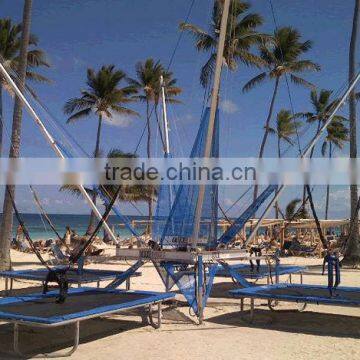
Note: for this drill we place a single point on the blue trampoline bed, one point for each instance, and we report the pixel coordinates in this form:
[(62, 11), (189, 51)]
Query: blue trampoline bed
[(298, 293), (245, 271), (81, 304), (74, 277)]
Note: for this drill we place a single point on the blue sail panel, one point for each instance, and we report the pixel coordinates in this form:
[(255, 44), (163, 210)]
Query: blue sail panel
[(180, 222), (240, 222)]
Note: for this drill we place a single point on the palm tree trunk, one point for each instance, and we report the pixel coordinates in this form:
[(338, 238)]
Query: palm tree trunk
[(1, 120), (278, 147), (279, 156), (148, 143), (98, 136), (352, 252), (267, 123), (304, 199), (148, 150), (328, 188), (7, 219), (92, 221)]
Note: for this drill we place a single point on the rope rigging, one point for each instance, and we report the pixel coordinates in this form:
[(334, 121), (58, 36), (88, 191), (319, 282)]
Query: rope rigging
[(172, 57)]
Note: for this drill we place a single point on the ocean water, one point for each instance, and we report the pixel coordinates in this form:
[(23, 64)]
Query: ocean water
[(39, 229)]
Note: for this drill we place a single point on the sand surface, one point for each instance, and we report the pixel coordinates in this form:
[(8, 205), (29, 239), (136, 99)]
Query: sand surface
[(321, 332)]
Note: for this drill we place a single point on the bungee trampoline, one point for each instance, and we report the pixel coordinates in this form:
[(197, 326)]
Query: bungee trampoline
[(74, 277), (263, 271), (41, 311), (298, 293)]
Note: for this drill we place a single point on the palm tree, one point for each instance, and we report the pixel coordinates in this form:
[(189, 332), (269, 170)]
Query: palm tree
[(128, 193), (286, 127), (103, 97), (282, 56), (241, 35), (147, 83), (352, 253), (322, 107), (292, 214), (7, 219), (337, 134), (10, 42)]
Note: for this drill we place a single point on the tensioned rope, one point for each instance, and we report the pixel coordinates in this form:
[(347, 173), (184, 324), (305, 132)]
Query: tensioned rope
[(172, 57), (286, 80), (58, 126)]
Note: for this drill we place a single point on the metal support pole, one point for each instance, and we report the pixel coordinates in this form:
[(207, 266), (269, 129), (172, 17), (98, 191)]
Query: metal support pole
[(251, 309), (304, 155), (200, 288), (53, 145), (213, 107), (165, 119), (277, 263), (159, 313)]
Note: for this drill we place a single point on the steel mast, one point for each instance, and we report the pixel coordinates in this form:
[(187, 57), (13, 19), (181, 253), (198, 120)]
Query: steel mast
[(53, 145), (213, 107)]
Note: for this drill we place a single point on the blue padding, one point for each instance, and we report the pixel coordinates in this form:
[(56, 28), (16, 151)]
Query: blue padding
[(240, 222), (73, 276), (265, 292), (150, 298), (247, 273)]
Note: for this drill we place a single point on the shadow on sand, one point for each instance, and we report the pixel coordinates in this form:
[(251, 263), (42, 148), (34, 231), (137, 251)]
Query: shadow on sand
[(307, 322)]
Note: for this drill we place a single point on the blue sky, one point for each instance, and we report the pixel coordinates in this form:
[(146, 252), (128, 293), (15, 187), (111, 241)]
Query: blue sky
[(89, 33)]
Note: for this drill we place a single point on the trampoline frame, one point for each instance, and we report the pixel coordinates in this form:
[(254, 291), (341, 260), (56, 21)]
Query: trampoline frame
[(33, 275), (283, 270), (147, 319), (253, 293)]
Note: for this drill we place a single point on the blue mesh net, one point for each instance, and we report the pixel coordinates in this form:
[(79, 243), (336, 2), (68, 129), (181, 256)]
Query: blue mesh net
[(174, 228), (186, 280), (166, 196)]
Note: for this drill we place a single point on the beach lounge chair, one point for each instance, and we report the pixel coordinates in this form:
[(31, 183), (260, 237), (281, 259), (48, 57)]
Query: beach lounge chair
[(74, 277), (59, 255), (298, 293), (41, 311)]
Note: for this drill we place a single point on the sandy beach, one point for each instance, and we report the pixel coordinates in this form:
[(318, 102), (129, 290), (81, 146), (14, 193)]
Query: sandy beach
[(330, 332)]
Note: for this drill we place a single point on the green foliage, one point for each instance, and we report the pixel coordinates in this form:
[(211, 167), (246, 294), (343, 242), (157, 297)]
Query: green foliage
[(103, 95), (286, 125), (128, 193), (147, 82), (283, 55), (10, 42), (292, 213), (241, 35)]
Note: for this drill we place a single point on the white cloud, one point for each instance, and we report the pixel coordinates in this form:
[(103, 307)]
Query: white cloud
[(228, 107), (119, 120)]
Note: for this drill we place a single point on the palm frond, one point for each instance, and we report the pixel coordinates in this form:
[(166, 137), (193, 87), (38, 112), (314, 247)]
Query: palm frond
[(207, 70), (254, 82), (75, 104), (78, 115), (300, 81), (204, 41)]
